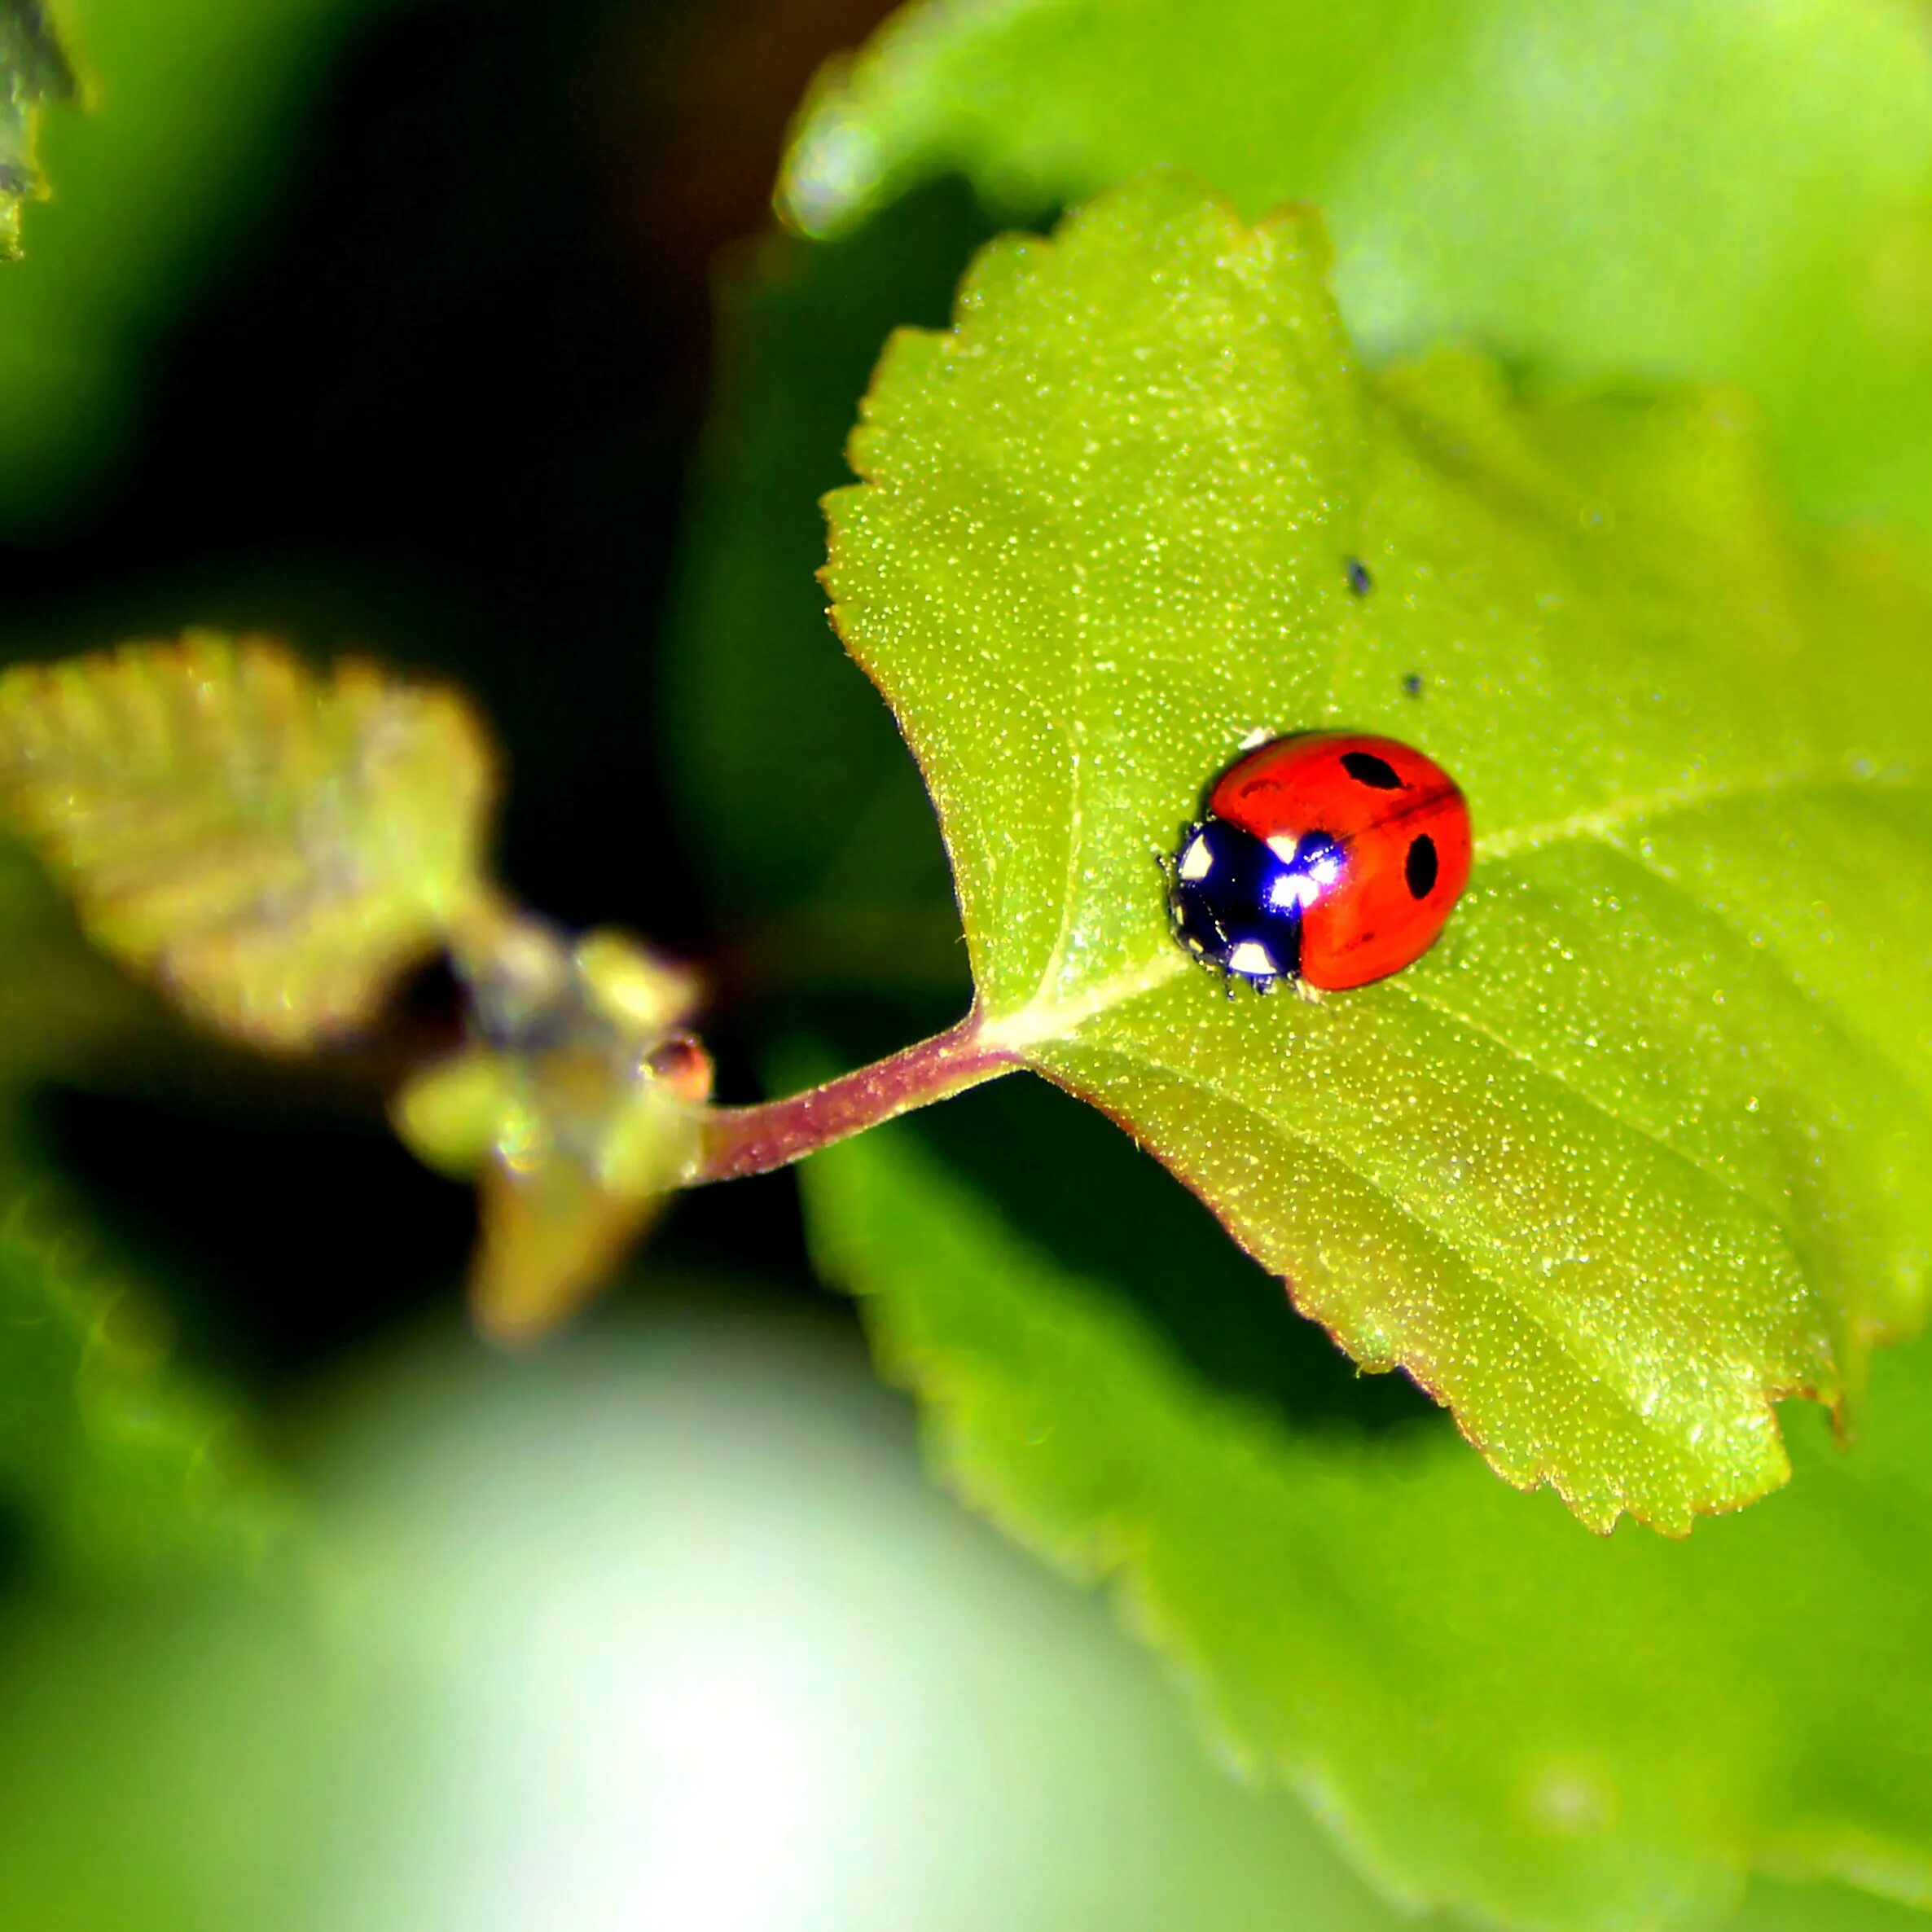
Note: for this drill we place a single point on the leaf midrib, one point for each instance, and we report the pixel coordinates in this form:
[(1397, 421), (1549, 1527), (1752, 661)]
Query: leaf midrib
[(1668, 802), (1045, 1015), (1045, 1019)]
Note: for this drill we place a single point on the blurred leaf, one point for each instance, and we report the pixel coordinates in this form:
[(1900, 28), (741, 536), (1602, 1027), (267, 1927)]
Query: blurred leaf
[(1642, 1145), (196, 108), (1692, 190), (612, 1663), (32, 70), (576, 1106), (611, 1667), (554, 1226), (1495, 1713), (276, 845), (64, 1009), (111, 1458), (114, 1462)]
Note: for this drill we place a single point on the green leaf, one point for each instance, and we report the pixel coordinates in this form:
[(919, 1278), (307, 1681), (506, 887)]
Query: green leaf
[(197, 107), (273, 846), (116, 1463), (1640, 1146), (1496, 1713), (32, 71), (112, 1460), (1697, 189)]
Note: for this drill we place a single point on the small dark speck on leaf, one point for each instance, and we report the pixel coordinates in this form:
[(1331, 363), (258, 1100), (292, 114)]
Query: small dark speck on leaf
[(1359, 579), (1412, 684)]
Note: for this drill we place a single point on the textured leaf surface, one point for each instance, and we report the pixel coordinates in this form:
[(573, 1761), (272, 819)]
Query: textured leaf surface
[(1641, 1145), (274, 845), (1496, 1713), (1695, 190), (32, 71)]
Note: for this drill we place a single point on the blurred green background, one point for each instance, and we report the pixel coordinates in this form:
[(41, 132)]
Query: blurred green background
[(431, 329)]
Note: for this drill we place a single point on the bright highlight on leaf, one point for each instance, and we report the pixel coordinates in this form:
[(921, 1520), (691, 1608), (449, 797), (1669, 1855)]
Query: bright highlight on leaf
[(274, 843), (32, 70), (1642, 1145), (1698, 191)]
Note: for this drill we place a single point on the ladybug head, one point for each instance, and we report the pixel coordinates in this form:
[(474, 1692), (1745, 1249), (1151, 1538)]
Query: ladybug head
[(1236, 901)]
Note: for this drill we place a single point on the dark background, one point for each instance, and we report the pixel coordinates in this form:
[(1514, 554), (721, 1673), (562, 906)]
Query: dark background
[(442, 407)]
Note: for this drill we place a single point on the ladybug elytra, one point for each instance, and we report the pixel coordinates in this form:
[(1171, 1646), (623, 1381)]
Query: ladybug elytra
[(1329, 858)]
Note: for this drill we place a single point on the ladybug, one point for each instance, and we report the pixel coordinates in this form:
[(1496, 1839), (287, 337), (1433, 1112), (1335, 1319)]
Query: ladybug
[(1328, 859)]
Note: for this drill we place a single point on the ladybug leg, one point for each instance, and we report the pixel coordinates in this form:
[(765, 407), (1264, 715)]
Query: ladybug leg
[(1313, 994)]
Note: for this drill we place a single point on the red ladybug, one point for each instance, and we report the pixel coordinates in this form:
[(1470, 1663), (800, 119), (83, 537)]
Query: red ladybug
[(1330, 857)]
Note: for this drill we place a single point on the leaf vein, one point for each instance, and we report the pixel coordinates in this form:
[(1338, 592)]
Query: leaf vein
[(1725, 1184), (1842, 1022), (1605, 821), (1598, 1372)]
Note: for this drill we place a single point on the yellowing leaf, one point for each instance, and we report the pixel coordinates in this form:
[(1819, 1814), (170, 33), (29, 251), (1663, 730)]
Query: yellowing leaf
[(554, 1227), (1643, 1144), (273, 843)]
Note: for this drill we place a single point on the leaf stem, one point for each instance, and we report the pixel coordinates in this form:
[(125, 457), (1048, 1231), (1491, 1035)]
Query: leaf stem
[(745, 1140)]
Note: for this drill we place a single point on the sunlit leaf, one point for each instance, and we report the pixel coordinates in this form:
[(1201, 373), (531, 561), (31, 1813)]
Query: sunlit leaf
[(274, 845), (1692, 190), (1642, 1145), (1496, 1713), (32, 71)]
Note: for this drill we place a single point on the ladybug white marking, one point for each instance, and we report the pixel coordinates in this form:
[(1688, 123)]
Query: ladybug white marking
[(1291, 889), (1252, 957), (1198, 861)]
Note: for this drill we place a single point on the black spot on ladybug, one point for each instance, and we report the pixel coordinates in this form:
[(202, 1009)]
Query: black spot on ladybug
[(1412, 684), (1359, 579), (1419, 868), (1365, 768)]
